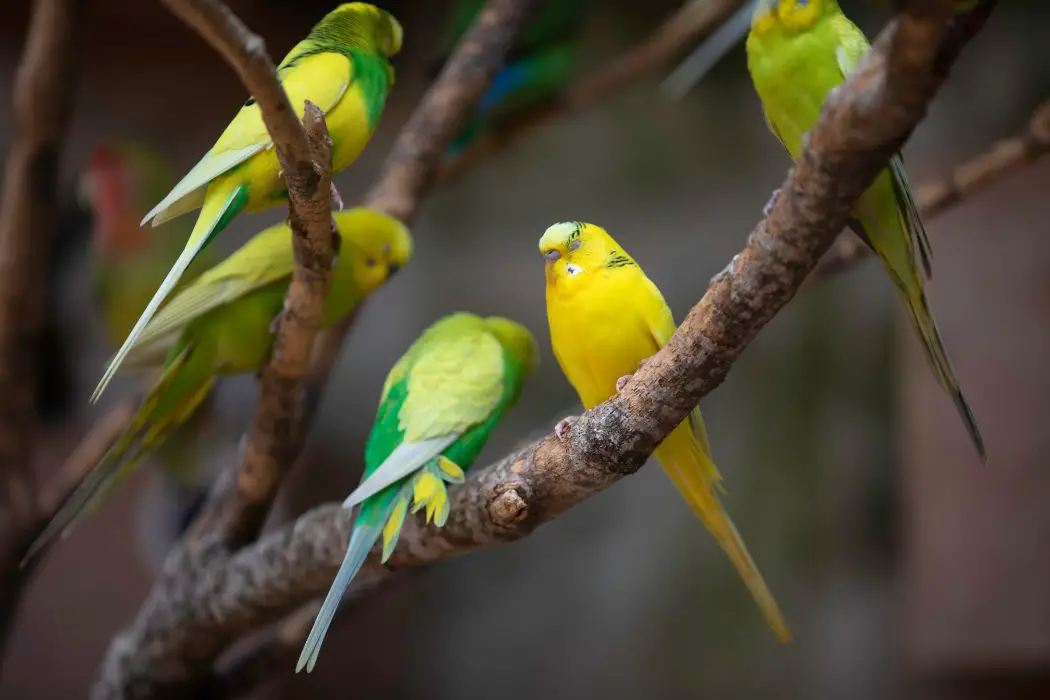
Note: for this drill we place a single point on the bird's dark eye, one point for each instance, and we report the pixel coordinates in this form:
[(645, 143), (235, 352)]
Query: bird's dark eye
[(574, 244), (371, 262), (250, 102)]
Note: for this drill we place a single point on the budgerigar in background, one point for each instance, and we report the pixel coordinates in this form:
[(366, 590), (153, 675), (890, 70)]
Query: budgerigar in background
[(797, 51), (119, 183), (341, 66), (605, 318), (439, 404), (537, 69), (223, 324)]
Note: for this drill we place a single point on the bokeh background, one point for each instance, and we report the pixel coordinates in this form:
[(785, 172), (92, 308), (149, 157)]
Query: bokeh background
[(904, 567)]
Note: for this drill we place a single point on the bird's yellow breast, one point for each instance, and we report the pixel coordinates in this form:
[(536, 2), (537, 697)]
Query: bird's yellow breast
[(348, 126), (600, 330)]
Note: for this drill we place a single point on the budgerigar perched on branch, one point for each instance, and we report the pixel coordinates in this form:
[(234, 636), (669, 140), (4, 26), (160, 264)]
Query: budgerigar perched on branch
[(439, 404), (341, 66), (797, 52), (223, 324), (606, 317)]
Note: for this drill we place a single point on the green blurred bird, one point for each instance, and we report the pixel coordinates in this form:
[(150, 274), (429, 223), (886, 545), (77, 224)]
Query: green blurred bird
[(223, 324), (797, 52), (537, 69), (439, 404), (127, 261), (343, 67)]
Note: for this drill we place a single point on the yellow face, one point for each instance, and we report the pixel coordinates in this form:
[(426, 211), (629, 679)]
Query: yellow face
[(380, 245), (574, 251), (790, 15)]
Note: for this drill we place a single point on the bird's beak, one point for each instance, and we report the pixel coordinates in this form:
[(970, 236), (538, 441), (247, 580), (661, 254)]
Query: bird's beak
[(392, 268), (549, 258)]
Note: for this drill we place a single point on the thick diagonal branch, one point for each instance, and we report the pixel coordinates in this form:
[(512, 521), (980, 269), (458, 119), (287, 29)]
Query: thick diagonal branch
[(862, 124), (169, 648), (43, 98)]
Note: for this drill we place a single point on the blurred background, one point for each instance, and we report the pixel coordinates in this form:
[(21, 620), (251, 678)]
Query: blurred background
[(904, 567)]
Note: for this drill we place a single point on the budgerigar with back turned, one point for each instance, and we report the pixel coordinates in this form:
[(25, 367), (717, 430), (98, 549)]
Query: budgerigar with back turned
[(343, 67), (797, 52), (439, 404), (223, 324), (605, 318)]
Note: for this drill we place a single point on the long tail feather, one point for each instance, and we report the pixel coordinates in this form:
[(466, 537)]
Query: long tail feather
[(695, 476), (89, 491), (922, 319), (211, 221), (361, 542)]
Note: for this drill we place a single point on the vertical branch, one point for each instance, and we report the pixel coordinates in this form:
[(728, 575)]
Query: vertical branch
[(43, 99), (236, 513)]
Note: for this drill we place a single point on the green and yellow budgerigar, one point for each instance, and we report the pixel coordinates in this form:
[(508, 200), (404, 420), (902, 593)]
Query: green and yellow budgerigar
[(223, 324), (797, 51), (342, 66), (439, 404)]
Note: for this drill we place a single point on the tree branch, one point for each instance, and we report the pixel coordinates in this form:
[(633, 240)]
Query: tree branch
[(168, 649), (973, 176), (237, 513), (688, 25), (43, 99), (862, 124)]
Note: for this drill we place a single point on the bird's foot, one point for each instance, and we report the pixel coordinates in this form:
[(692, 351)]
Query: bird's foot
[(563, 425), (276, 322), (337, 200), (772, 200), (622, 382)]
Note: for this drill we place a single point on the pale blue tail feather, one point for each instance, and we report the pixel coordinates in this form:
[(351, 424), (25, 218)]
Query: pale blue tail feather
[(361, 542)]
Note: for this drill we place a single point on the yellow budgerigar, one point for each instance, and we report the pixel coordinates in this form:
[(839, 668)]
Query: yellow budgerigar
[(343, 67), (797, 52), (605, 318)]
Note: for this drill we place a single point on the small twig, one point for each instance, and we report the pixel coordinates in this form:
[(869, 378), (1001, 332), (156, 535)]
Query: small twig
[(168, 649), (1002, 159), (43, 99), (681, 30), (862, 124)]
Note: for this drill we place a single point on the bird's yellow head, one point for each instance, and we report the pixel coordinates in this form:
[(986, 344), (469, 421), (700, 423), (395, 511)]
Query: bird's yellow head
[(789, 15), (574, 251), (516, 340), (360, 24), (377, 245)]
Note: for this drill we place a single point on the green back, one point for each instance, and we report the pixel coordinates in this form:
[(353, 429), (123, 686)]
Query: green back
[(389, 429)]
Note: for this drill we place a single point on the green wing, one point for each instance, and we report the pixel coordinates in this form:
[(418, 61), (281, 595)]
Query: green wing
[(852, 47), (322, 78), (263, 260), (453, 381)]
